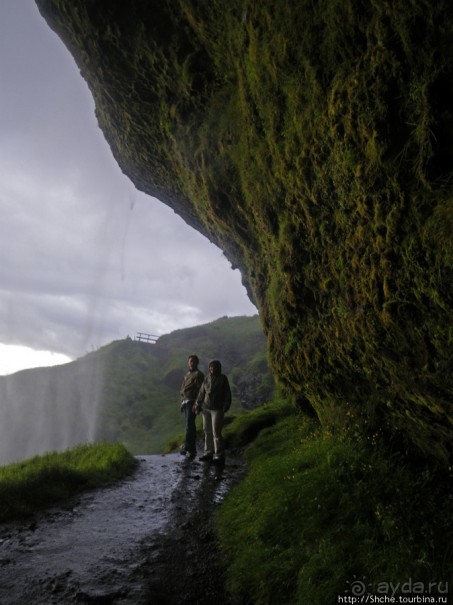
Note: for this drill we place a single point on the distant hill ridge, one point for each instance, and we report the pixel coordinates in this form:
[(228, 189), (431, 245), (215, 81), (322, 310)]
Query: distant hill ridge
[(128, 390)]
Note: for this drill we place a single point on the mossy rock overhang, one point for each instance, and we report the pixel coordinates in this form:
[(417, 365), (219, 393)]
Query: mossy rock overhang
[(312, 142)]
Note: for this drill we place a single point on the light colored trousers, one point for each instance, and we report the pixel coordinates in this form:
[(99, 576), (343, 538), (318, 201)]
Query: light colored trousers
[(212, 427)]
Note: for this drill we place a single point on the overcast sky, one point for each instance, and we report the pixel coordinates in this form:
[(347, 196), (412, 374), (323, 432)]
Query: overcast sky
[(85, 258)]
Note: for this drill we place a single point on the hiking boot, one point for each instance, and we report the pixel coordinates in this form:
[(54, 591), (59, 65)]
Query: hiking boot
[(190, 455), (206, 458), (219, 461)]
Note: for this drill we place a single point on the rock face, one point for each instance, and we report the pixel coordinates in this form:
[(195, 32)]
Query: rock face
[(312, 141)]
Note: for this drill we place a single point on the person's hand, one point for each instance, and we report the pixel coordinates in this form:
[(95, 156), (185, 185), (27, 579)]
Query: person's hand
[(182, 408), (195, 409)]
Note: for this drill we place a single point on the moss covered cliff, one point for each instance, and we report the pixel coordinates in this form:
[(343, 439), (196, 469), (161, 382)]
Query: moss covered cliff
[(312, 141)]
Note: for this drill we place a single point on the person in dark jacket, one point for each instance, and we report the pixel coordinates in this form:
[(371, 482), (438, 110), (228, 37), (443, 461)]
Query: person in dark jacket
[(214, 399), (190, 386)]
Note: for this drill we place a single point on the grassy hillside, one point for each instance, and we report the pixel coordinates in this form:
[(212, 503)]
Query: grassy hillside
[(128, 391), (320, 516), (140, 401)]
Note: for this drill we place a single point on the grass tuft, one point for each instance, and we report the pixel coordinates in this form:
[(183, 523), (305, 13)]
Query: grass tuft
[(56, 476)]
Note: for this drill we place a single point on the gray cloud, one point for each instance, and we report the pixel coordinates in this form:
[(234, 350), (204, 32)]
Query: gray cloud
[(85, 258)]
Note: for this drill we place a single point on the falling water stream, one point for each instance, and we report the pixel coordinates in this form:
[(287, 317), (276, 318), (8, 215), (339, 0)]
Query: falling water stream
[(48, 409)]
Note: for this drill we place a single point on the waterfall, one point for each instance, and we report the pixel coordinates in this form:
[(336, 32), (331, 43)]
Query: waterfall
[(49, 409)]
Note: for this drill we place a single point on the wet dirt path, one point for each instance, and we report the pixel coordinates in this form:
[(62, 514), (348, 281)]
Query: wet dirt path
[(147, 540)]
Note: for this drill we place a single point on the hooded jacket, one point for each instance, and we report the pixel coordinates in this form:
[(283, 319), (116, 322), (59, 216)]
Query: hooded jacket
[(215, 392)]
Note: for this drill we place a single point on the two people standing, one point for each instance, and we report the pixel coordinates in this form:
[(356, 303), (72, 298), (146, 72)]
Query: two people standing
[(213, 399)]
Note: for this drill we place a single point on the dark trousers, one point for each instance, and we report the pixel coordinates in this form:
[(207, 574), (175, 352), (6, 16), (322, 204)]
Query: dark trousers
[(191, 431)]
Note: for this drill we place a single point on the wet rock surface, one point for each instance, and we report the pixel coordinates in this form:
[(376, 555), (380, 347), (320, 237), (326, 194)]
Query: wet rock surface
[(147, 540)]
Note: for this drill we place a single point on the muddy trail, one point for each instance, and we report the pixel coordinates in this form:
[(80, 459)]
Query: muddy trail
[(146, 540)]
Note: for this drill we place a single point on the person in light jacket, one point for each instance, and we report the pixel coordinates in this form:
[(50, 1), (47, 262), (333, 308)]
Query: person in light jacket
[(214, 399), (190, 387)]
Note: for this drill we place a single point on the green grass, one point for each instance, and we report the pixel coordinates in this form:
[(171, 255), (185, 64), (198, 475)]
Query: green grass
[(241, 428), (244, 427), (54, 477), (315, 513)]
